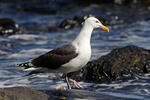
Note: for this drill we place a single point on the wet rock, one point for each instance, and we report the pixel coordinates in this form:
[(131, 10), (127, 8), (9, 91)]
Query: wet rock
[(71, 22), (120, 62), (22, 93), (8, 27), (78, 94), (25, 93)]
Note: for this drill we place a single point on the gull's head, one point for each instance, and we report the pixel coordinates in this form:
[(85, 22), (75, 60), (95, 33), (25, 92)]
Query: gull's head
[(95, 23)]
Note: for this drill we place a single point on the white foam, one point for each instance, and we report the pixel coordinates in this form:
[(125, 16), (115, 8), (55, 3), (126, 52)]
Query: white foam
[(3, 52), (27, 37), (135, 38), (31, 53), (31, 69), (98, 53)]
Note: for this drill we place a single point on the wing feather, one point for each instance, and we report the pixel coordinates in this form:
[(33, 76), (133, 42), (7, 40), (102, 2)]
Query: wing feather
[(55, 58)]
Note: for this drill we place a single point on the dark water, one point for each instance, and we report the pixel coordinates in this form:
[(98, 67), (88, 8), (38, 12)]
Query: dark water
[(128, 26)]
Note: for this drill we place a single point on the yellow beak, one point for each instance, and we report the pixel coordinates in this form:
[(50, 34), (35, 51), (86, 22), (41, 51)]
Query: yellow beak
[(104, 28)]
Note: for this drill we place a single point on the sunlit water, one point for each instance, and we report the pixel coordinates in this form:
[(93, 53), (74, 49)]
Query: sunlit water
[(23, 47)]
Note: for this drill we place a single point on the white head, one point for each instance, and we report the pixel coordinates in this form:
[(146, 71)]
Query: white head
[(95, 23)]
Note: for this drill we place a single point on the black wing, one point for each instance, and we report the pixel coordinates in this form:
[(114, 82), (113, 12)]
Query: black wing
[(55, 58)]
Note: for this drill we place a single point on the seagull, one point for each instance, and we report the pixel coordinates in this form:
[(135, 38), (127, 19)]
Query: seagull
[(68, 58)]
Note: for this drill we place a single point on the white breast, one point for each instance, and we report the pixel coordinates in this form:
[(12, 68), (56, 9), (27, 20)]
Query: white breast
[(80, 61), (83, 48)]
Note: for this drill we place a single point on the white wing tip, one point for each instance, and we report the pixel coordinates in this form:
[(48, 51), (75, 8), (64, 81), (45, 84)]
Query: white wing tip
[(30, 69)]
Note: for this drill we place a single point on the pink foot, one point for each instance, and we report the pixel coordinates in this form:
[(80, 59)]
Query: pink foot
[(76, 83)]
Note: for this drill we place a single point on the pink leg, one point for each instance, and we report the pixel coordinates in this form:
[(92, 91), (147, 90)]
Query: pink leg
[(76, 83), (67, 81)]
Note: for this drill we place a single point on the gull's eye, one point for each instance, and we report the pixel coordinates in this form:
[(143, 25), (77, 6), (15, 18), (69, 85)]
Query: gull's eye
[(96, 21)]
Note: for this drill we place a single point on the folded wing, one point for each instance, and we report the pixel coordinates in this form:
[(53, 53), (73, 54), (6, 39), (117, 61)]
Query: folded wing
[(55, 58)]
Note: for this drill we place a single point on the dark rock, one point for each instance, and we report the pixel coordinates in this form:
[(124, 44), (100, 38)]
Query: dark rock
[(71, 22), (25, 93), (129, 60), (8, 27), (22, 93), (77, 75), (78, 94)]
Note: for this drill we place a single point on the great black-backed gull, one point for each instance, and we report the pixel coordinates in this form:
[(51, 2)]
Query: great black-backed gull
[(70, 57)]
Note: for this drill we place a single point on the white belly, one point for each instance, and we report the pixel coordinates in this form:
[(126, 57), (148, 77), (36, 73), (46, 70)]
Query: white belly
[(79, 62)]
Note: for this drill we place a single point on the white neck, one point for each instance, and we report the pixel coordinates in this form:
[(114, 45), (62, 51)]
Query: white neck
[(84, 35)]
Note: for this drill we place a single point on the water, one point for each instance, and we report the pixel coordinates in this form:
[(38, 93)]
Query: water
[(129, 29)]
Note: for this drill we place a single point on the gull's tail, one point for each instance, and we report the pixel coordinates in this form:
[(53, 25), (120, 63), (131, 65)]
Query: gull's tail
[(28, 66), (25, 65)]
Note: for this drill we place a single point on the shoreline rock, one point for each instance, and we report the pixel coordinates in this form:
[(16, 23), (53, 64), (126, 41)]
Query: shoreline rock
[(8, 27), (25, 93), (22, 93), (129, 60)]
